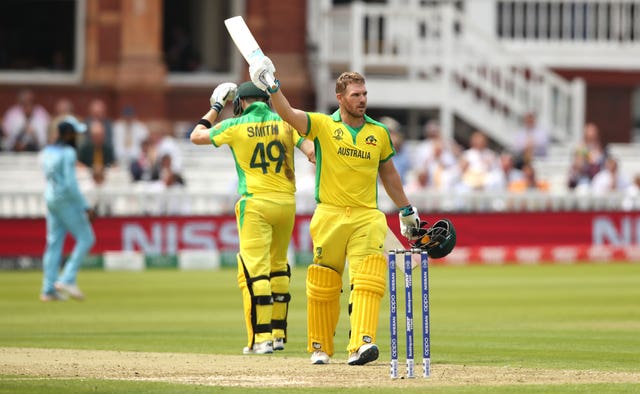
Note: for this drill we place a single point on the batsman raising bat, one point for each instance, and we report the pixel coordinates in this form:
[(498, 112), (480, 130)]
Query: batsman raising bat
[(262, 145), (352, 150)]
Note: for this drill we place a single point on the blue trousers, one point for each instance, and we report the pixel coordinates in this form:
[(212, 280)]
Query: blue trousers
[(65, 217)]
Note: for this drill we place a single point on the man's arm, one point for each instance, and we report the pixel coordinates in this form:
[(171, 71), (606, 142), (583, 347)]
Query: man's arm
[(393, 184), (295, 117), (221, 94), (408, 215), (200, 133), (308, 149)]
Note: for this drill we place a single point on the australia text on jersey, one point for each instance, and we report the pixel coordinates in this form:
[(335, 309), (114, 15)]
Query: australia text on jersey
[(354, 153)]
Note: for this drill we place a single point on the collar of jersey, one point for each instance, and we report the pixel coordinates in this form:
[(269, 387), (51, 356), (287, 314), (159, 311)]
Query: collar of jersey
[(256, 106), (336, 117)]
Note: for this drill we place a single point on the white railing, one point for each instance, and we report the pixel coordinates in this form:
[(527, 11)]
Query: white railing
[(464, 70), (577, 22), (128, 202)]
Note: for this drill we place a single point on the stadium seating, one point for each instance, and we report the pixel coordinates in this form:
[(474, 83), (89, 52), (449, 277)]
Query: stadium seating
[(211, 182)]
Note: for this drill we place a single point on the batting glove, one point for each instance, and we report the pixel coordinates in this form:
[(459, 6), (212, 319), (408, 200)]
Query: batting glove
[(409, 222), (221, 94), (262, 73)]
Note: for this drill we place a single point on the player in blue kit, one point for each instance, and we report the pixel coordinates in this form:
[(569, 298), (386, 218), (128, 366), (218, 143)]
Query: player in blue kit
[(67, 212)]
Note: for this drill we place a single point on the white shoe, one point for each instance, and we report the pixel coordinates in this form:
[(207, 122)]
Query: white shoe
[(367, 353), (265, 347), (278, 344), (319, 357), (48, 297), (72, 291)]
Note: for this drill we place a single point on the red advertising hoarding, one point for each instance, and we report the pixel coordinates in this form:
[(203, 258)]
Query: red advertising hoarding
[(480, 236)]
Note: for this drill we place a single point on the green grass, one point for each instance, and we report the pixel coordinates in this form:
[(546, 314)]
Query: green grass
[(584, 316)]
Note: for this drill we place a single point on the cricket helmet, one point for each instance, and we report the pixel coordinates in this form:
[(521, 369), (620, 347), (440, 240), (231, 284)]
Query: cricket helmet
[(247, 89), (438, 240)]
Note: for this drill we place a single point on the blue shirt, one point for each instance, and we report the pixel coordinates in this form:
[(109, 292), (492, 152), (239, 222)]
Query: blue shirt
[(59, 165)]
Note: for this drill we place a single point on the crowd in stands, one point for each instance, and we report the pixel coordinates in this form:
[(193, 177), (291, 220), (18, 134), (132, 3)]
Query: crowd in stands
[(441, 165), (149, 153), (146, 150)]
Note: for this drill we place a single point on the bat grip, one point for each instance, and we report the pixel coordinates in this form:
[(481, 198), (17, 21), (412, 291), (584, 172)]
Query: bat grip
[(270, 81)]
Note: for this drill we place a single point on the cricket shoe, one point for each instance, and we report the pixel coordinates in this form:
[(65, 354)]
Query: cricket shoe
[(319, 357), (278, 344), (72, 291), (367, 353), (50, 297), (265, 347)]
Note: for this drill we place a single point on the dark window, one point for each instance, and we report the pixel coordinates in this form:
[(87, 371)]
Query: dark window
[(195, 38), (37, 35)]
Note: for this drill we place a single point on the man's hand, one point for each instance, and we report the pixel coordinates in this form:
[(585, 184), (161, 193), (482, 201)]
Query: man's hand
[(223, 93), (259, 70), (409, 222)]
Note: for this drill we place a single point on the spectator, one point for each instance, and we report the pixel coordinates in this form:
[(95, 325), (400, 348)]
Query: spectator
[(588, 158), (505, 174), (128, 134), (425, 150), (401, 159), (94, 152), (480, 162), (163, 170), (141, 168), (443, 169), (25, 124), (610, 179), (164, 143), (167, 187), (93, 188), (419, 183), (528, 181), (63, 108), (532, 140), (632, 195), (98, 112)]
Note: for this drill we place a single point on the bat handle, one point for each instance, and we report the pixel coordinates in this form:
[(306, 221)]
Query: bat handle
[(270, 81)]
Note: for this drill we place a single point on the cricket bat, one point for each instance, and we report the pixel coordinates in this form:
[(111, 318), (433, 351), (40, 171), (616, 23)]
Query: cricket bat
[(245, 42), (391, 242)]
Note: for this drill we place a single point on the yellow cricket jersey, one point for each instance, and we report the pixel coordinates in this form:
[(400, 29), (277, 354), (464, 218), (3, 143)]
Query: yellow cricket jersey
[(347, 160), (262, 145)]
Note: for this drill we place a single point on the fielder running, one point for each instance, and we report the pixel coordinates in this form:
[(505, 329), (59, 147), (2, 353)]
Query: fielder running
[(67, 212), (262, 145), (351, 151)]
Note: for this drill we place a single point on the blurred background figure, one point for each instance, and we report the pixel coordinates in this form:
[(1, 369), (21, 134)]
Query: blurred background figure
[(63, 108), (588, 159), (170, 187), (532, 140), (128, 134), (528, 182), (94, 152), (480, 162), (141, 167), (164, 143), (505, 174), (401, 159), (425, 149), (25, 124), (610, 179), (97, 111)]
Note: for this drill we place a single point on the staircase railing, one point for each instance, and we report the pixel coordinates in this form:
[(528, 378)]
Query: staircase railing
[(479, 80)]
